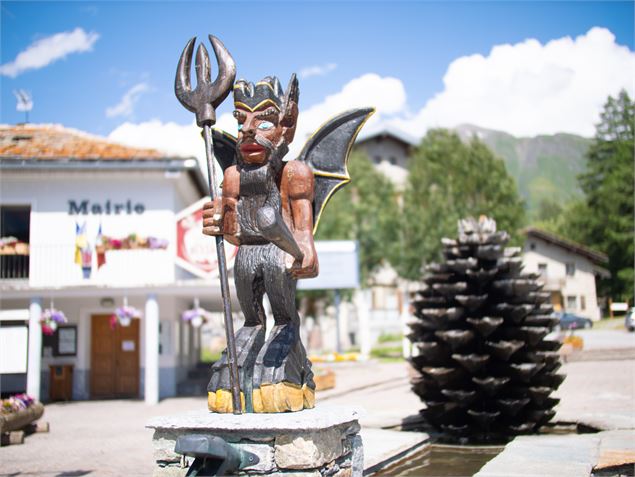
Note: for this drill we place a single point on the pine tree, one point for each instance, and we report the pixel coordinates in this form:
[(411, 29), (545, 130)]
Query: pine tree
[(608, 223), (604, 218), (486, 371)]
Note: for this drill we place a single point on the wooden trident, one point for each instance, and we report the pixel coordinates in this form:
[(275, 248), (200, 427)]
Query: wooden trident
[(203, 101)]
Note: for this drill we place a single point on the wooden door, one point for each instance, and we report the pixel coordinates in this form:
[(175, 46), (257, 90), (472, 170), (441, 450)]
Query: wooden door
[(114, 359), (127, 365)]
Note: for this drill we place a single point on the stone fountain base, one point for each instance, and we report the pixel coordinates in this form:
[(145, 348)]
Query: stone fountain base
[(323, 441)]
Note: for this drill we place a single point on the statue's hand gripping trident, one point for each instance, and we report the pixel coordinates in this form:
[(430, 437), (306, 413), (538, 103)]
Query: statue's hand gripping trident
[(203, 101)]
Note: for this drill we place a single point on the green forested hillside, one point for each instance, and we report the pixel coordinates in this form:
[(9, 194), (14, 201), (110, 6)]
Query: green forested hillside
[(545, 167)]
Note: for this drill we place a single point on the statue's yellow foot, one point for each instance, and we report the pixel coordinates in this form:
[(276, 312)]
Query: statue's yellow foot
[(283, 397), (221, 401)]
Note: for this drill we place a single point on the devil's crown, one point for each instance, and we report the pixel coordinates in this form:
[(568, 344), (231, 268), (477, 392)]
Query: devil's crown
[(267, 91)]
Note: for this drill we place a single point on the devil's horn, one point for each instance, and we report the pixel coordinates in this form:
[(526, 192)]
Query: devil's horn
[(291, 98), (292, 94)]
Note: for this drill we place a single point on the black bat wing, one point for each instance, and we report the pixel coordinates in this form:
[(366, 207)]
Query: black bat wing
[(224, 148), (327, 151)]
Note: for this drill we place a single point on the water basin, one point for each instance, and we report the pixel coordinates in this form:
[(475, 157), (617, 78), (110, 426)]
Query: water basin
[(442, 461)]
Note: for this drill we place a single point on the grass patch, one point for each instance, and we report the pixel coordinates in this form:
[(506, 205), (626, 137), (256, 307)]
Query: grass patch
[(609, 324), (391, 359), (388, 353), (389, 337), (209, 356)]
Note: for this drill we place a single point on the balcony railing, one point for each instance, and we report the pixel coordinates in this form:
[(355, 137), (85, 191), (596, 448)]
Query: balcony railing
[(14, 267), (551, 282), (55, 266)]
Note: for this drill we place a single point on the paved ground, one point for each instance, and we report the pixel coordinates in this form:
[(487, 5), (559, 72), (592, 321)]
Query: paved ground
[(607, 339), (599, 391), (600, 394), (108, 438), (381, 389)]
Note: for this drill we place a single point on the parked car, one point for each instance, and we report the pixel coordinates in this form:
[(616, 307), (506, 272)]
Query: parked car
[(569, 321), (629, 321)]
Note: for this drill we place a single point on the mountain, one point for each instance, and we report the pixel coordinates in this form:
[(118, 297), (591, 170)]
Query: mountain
[(545, 167)]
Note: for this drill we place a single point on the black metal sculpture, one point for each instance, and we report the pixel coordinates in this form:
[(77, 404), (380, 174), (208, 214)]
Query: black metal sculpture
[(270, 209), (486, 371)]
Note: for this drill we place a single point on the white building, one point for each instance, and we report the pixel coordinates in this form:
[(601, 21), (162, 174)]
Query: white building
[(390, 151), (63, 192), (568, 271)]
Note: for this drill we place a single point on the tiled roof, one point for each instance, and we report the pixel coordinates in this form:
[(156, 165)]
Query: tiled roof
[(593, 255), (55, 142), (387, 132)]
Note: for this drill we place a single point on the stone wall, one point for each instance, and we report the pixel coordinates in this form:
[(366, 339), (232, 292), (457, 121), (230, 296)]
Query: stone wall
[(322, 442)]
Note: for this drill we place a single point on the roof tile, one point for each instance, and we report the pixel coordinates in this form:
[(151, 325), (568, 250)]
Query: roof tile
[(55, 142), (593, 255)]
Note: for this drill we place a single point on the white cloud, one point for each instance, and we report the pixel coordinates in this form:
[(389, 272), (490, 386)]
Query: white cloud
[(387, 95), (48, 50), (125, 107), (227, 122), (317, 70), (183, 140), (171, 138), (525, 89), (530, 88)]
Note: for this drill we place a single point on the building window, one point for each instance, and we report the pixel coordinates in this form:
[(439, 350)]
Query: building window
[(532, 246), (377, 159), (570, 266), (393, 160), (572, 302), (582, 302), (542, 269), (14, 241)]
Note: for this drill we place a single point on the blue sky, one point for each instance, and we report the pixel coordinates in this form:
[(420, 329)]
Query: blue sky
[(133, 47)]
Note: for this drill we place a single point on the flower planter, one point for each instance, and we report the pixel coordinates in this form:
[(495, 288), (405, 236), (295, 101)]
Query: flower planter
[(18, 420), (324, 379)]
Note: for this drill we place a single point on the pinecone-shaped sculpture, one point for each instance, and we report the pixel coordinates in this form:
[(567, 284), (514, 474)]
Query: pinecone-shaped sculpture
[(486, 371)]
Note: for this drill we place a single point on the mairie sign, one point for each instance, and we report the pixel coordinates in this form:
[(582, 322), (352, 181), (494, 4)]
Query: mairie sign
[(196, 252)]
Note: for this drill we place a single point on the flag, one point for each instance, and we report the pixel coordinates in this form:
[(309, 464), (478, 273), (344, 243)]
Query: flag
[(100, 249), (83, 252)]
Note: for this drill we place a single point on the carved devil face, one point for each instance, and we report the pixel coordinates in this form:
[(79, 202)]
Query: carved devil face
[(266, 118), (259, 132)]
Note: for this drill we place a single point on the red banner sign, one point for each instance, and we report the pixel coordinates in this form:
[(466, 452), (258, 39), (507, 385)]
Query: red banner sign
[(196, 252)]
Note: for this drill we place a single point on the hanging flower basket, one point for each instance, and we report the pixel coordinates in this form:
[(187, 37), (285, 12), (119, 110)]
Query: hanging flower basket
[(123, 316), (196, 316), (51, 319)]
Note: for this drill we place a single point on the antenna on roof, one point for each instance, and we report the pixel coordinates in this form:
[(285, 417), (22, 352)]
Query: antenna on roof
[(25, 102)]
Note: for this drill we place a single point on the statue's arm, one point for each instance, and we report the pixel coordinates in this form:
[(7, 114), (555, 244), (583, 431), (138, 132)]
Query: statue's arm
[(220, 217), (231, 192), (298, 181)]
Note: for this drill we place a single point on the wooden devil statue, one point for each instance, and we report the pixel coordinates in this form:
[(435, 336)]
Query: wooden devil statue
[(270, 209)]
